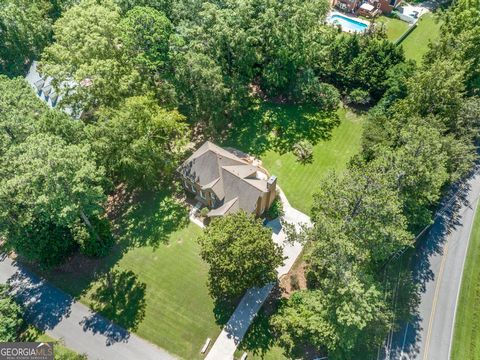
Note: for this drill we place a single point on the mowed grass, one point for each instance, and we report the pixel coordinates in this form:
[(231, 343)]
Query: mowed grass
[(416, 43), (163, 296), (466, 340), (179, 312), (393, 27), (299, 181)]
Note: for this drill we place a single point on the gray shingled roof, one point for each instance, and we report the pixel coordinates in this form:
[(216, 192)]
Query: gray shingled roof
[(227, 175)]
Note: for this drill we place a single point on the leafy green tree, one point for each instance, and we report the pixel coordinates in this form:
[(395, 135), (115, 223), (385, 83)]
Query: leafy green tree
[(139, 142), (25, 28), (437, 90), (335, 321), (241, 254), (460, 41), (364, 205), (87, 61), (203, 95), (309, 90), (146, 37), (360, 63), (20, 110), (10, 316), (48, 185), (164, 6)]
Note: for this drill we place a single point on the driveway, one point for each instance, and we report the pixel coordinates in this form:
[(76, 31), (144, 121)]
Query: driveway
[(438, 267), (82, 330), (238, 324)]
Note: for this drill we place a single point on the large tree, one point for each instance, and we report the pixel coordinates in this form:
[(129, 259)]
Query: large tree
[(241, 254), (460, 41), (20, 109), (25, 29), (87, 60), (139, 142), (47, 187)]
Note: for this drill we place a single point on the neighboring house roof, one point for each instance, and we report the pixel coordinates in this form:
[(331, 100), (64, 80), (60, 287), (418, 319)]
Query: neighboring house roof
[(43, 88), (367, 7), (234, 181)]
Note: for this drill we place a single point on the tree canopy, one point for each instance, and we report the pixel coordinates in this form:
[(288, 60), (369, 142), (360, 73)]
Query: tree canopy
[(25, 28), (241, 254), (139, 143)]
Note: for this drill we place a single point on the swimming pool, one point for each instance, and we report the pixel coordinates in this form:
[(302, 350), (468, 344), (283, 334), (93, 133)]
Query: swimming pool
[(347, 24)]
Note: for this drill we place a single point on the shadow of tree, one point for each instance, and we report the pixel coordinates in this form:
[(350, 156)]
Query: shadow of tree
[(223, 309), (44, 306), (279, 127), (259, 338), (120, 297), (150, 219)]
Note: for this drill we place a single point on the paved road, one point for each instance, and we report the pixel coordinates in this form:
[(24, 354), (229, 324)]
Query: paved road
[(61, 317), (238, 324), (438, 267)]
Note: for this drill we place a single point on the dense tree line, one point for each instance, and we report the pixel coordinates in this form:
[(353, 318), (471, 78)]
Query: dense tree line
[(419, 139)]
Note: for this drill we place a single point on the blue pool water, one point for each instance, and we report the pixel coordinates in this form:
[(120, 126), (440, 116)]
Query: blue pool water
[(347, 24)]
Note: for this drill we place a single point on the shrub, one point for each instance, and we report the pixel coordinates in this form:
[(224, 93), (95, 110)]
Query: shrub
[(303, 150), (204, 212), (95, 245), (309, 90), (276, 209), (358, 97)]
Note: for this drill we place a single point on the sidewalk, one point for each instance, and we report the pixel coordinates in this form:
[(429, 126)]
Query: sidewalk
[(82, 330), (238, 324)]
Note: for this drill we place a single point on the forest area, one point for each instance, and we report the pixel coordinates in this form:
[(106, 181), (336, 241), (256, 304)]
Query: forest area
[(146, 81)]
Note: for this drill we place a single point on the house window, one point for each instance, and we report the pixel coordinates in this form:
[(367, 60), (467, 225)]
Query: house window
[(202, 194)]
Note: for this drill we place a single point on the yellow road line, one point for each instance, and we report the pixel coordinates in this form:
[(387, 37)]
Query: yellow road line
[(434, 305)]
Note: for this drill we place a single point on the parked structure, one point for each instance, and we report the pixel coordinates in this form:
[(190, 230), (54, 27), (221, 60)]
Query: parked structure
[(227, 181)]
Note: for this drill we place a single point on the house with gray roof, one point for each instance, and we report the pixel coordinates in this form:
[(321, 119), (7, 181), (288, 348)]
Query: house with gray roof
[(43, 87), (225, 182)]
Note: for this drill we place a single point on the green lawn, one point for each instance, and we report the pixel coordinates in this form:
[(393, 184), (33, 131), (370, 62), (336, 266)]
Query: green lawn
[(299, 181), (394, 27), (416, 43), (153, 282), (466, 341), (270, 131)]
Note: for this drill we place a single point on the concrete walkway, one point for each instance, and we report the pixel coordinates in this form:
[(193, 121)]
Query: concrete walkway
[(238, 324), (82, 330)]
